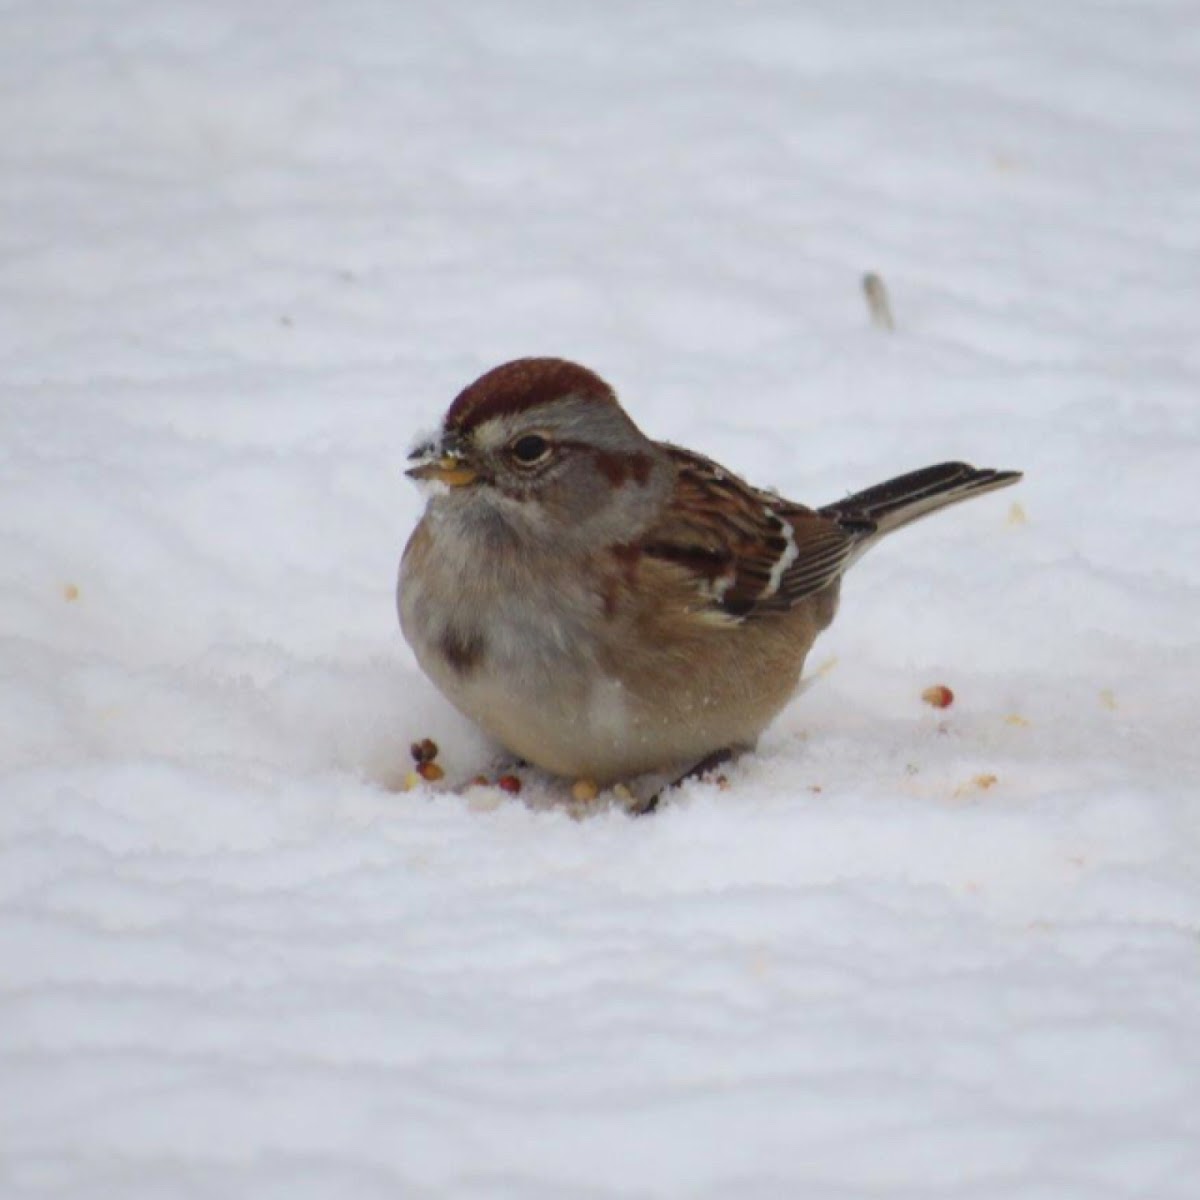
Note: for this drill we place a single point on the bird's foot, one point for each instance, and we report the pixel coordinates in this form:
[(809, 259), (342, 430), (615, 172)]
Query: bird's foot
[(708, 764)]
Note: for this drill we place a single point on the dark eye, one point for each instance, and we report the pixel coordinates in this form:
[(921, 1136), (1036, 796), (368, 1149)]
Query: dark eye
[(530, 449)]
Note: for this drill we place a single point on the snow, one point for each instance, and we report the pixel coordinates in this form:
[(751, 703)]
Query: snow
[(247, 252)]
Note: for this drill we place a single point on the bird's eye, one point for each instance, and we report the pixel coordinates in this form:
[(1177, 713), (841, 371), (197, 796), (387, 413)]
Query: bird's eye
[(530, 449)]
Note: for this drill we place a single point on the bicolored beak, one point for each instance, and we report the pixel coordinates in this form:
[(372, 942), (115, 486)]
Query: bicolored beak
[(447, 468)]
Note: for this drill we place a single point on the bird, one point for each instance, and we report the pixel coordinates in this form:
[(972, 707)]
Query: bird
[(604, 605)]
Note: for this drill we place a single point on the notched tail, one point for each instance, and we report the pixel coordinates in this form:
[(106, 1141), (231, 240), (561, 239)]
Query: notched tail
[(898, 502)]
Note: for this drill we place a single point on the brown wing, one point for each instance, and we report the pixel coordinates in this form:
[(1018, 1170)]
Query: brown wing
[(751, 553)]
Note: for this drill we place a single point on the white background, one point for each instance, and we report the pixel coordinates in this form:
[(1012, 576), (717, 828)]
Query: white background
[(247, 252)]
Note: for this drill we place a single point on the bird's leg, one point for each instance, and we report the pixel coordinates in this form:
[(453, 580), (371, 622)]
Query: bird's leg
[(710, 762)]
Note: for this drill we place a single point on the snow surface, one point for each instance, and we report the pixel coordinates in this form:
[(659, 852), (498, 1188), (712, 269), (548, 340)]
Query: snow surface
[(247, 251)]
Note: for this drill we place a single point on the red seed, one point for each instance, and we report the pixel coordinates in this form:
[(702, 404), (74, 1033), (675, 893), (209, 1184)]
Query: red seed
[(430, 772), (939, 696), (509, 783)]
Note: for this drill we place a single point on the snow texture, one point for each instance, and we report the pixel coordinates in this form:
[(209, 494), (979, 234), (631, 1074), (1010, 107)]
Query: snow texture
[(247, 251)]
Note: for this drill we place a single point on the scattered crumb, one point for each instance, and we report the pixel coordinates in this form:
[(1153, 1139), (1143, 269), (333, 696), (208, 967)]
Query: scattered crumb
[(1108, 699), (979, 783), (939, 696), (424, 751), (584, 790), (70, 593), (411, 780), (1016, 514), (1016, 719)]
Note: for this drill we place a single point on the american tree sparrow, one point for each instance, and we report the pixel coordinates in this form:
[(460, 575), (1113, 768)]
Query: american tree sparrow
[(604, 605)]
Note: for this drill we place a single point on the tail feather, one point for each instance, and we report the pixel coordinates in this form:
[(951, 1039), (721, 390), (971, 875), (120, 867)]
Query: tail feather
[(888, 506)]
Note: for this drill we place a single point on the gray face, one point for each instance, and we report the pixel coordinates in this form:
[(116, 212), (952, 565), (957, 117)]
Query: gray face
[(575, 469)]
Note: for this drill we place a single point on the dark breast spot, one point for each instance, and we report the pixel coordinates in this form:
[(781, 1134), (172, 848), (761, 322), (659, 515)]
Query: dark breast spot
[(462, 650)]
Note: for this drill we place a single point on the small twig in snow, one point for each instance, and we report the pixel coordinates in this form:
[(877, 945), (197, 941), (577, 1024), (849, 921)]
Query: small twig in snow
[(878, 304)]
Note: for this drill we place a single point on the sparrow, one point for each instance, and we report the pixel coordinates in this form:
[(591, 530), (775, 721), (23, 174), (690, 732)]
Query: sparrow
[(605, 605)]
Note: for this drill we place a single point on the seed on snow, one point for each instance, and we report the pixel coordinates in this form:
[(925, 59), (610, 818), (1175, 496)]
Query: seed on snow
[(584, 790), (426, 750)]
